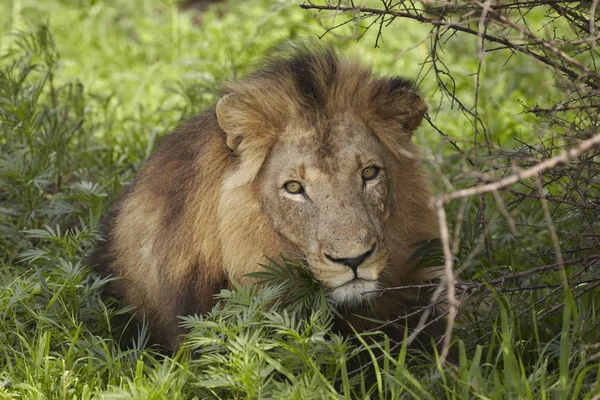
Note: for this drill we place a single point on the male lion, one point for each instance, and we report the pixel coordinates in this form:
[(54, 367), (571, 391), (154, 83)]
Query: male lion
[(310, 155)]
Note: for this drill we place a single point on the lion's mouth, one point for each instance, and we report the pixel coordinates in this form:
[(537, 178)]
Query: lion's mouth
[(355, 291), (354, 281)]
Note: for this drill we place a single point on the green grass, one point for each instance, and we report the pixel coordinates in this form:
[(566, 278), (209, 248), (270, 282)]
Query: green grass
[(86, 88)]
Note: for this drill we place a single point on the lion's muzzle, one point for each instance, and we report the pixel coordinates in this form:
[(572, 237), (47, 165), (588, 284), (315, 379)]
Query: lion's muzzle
[(349, 277), (353, 262)]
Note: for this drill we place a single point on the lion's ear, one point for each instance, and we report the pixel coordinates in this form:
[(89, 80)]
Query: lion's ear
[(231, 116), (396, 99), (246, 133), (418, 110)]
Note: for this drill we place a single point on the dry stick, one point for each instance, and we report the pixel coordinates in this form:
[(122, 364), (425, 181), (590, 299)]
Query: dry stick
[(577, 20), (549, 163), (536, 40), (485, 7), (482, 28), (420, 309), (449, 140), (498, 281), (554, 199), (517, 4), (458, 226), (543, 269), (422, 324), (449, 280), (552, 229), (593, 19), (539, 110), (556, 289), (512, 226), (548, 286)]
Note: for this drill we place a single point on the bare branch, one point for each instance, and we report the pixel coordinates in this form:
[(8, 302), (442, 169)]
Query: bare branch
[(552, 162)]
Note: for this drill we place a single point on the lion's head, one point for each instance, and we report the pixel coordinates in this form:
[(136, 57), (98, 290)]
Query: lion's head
[(327, 170)]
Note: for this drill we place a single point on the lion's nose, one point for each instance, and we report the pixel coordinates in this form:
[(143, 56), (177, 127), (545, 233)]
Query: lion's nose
[(353, 263)]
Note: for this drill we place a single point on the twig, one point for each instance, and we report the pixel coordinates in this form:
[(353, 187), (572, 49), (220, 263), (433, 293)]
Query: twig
[(449, 280), (550, 163), (554, 199), (502, 280)]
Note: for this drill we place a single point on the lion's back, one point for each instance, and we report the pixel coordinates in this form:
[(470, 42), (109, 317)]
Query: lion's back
[(162, 230)]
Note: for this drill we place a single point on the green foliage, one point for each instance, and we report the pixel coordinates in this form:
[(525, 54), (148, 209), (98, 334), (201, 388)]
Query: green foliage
[(87, 87)]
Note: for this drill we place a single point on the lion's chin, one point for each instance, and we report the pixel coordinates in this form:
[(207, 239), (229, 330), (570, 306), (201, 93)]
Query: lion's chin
[(353, 292)]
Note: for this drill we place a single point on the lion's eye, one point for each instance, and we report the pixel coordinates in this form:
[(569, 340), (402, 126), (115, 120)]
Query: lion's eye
[(370, 173), (293, 187)]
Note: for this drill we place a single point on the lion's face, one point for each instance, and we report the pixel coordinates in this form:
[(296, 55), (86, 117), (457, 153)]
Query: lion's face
[(329, 199), (322, 170)]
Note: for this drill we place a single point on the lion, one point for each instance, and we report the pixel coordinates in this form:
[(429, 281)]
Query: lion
[(309, 156)]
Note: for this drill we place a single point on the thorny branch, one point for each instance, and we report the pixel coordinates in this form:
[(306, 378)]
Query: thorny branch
[(527, 173), (459, 27)]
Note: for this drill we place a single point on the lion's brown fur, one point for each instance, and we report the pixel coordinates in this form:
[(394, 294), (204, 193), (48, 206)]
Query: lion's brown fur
[(192, 220)]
